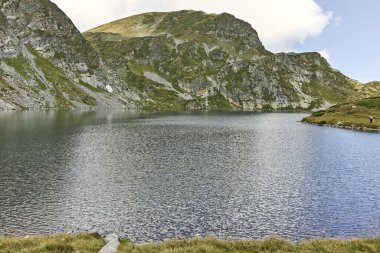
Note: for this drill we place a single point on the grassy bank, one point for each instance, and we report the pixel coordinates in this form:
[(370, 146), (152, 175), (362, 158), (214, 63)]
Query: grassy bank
[(350, 114), (93, 243), (53, 244), (265, 246)]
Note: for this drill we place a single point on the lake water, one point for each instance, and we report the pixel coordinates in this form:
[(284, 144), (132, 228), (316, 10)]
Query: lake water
[(160, 176)]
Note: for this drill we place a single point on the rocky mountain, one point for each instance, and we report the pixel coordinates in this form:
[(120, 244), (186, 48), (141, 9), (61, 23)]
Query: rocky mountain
[(156, 61), (194, 60), (45, 62)]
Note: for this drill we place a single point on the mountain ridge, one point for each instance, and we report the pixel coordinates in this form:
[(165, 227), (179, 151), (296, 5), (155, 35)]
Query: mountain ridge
[(188, 23), (221, 65), (184, 60)]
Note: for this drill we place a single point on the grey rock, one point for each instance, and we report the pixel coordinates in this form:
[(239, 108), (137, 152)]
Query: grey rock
[(46, 62), (112, 245)]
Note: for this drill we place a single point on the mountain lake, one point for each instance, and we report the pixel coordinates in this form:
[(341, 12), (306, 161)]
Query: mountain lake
[(150, 177)]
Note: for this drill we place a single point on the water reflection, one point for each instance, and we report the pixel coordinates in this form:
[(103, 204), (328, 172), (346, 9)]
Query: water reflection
[(151, 177)]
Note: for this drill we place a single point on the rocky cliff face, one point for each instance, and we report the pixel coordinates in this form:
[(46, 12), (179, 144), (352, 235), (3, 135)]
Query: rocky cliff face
[(45, 62), (191, 60), (156, 61)]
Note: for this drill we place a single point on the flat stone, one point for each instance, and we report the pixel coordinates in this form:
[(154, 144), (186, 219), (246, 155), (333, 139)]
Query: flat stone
[(112, 245)]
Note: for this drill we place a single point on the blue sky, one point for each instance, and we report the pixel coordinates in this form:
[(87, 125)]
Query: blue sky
[(354, 43), (346, 32)]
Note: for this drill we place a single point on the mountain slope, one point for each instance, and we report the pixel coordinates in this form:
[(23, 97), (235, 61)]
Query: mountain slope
[(352, 114), (156, 61), (45, 62), (193, 60)]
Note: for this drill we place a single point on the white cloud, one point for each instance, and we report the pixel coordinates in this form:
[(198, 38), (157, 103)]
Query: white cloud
[(325, 54), (280, 23), (338, 20)]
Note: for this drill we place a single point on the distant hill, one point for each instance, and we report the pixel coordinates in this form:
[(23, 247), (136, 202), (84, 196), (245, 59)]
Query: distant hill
[(194, 60)]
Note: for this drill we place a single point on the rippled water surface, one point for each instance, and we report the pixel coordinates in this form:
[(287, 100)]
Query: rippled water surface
[(154, 177)]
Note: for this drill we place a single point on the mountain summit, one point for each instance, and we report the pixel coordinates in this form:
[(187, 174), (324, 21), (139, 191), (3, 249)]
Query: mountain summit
[(155, 61), (194, 60), (228, 32)]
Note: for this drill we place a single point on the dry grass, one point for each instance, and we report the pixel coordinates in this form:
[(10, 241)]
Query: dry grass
[(270, 245), (54, 244)]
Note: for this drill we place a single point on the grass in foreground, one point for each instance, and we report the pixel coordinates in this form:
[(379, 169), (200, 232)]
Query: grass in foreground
[(93, 243), (54, 244), (272, 245)]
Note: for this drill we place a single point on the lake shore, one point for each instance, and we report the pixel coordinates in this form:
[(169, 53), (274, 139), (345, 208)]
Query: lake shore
[(354, 115), (341, 125), (87, 243)]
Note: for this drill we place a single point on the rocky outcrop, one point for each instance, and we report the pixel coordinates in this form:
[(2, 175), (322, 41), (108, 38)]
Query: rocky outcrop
[(46, 63), (218, 61), (156, 61)]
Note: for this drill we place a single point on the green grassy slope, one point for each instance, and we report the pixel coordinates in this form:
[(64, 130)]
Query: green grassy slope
[(224, 30), (219, 61), (355, 113)]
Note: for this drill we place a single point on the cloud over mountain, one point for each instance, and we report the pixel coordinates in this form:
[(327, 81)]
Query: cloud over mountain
[(280, 23)]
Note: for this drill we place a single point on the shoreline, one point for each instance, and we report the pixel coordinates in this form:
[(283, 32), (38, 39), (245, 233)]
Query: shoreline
[(343, 126), (94, 243)]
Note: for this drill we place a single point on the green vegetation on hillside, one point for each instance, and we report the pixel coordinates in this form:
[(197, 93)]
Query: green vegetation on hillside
[(350, 114), (163, 100), (5, 87), (223, 30), (92, 88), (183, 60), (20, 64), (64, 90), (219, 102), (43, 62), (206, 54), (371, 89)]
